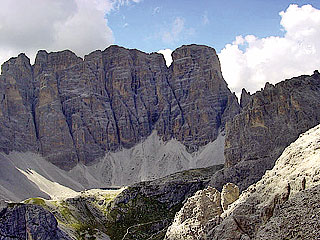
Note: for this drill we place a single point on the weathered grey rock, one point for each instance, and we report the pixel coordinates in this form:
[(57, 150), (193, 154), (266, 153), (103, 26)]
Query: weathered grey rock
[(200, 96), (56, 141), (190, 222), (230, 193), (245, 98), (22, 221), (284, 203), (74, 110), (17, 128), (270, 120), (298, 218)]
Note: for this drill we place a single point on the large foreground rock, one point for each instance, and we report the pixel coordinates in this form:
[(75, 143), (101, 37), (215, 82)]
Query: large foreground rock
[(284, 204), (190, 222), (22, 221)]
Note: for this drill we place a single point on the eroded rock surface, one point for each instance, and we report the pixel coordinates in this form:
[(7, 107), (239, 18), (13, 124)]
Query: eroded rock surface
[(190, 222), (270, 120), (230, 193), (22, 221), (202, 102), (298, 218), (74, 110), (201, 213), (284, 203)]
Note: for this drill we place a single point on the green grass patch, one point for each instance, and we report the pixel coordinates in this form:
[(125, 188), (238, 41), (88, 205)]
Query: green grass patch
[(36, 201)]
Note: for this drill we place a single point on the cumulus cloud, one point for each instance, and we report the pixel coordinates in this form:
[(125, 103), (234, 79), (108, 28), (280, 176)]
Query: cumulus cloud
[(78, 25), (250, 61), (167, 55)]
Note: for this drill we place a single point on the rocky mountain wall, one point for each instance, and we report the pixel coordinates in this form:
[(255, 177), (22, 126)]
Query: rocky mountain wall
[(75, 110), (269, 121)]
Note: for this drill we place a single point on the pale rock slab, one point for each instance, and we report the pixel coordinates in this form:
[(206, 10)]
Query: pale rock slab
[(190, 221), (230, 193)]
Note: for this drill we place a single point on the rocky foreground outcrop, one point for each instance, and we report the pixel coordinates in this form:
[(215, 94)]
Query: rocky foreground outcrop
[(269, 121), (24, 221), (75, 110), (284, 204), (201, 213)]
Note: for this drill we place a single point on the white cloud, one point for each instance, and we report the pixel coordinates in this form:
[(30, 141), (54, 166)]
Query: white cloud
[(205, 18), (177, 31), (156, 10), (174, 34), (250, 62), (167, 55), (78, 25)]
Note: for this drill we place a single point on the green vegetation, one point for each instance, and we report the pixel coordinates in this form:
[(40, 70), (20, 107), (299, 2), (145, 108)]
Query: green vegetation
[(85, 231), (36, 201), (143, 211), (140, 218)]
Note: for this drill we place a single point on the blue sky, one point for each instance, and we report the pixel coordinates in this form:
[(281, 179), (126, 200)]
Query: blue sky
[(257, 41), (215, 23)]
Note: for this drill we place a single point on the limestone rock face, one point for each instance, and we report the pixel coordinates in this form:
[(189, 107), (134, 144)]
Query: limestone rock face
[(17, 100), (28, 222), (56, 141), (200, 96), (270, 120), (190, 222), (75, 110), (298, 218), (230, 193), (284, 203)]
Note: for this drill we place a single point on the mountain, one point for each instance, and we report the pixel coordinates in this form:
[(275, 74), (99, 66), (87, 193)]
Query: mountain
[(284, 204), (121, 116), (269, 121), (73, 110)]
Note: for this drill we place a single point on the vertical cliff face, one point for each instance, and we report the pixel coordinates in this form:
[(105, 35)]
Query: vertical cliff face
[(73, 110), (201, 99), (17, 128), (270, 120), (54, 134)]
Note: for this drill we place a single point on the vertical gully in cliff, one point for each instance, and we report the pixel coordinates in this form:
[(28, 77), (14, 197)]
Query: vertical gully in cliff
[(111, 108), (178, 103), (67, 118), (33, 105)]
